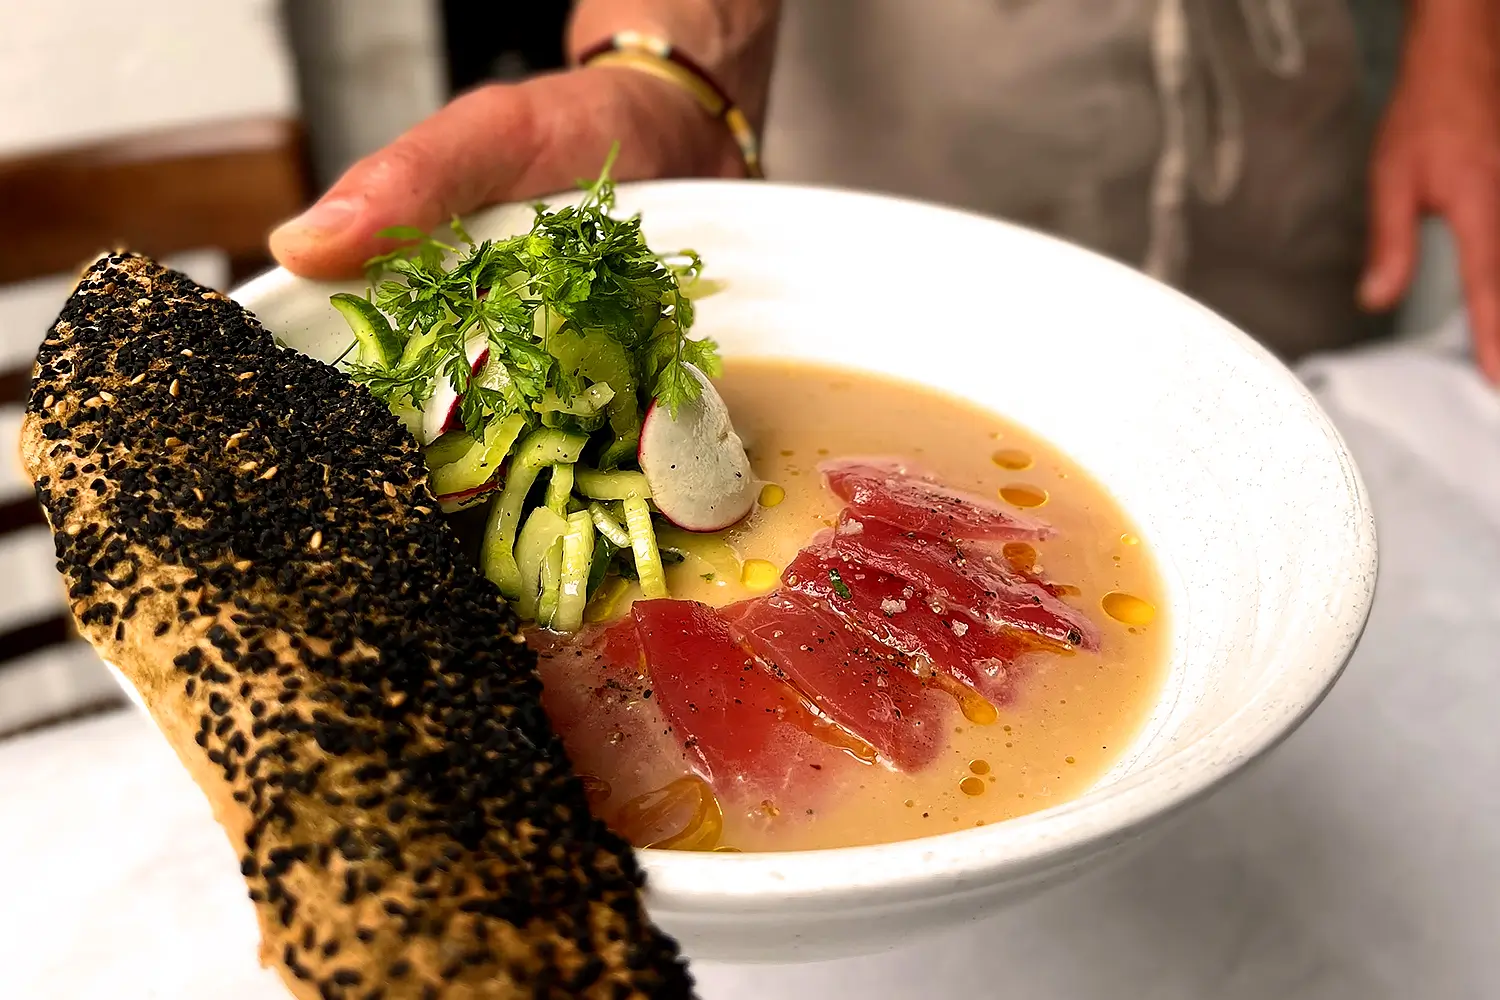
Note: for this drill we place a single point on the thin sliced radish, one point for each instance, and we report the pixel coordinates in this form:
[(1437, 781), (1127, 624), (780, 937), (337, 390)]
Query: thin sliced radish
[(451, 502), (695, 463), (440, 415)]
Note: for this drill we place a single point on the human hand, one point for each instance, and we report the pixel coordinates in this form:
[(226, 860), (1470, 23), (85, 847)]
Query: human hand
[(505, 142), (1439, 151)]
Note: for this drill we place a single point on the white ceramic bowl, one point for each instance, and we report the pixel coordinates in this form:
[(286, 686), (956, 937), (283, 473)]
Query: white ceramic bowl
[(1241, 486)]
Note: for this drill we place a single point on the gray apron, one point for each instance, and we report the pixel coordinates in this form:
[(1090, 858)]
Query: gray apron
[(1216, 144)]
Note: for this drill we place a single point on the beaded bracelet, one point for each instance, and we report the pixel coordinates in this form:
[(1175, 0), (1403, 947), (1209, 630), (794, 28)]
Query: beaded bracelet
[(657, 57)]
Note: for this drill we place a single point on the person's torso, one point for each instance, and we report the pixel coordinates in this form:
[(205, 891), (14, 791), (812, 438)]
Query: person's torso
[(1145, 129)]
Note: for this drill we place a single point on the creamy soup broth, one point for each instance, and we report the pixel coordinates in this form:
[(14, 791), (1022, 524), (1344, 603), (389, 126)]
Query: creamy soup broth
[(1071, 714)]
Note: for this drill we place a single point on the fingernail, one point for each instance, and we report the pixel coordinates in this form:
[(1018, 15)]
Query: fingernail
[(325, 218), (1372, 290)]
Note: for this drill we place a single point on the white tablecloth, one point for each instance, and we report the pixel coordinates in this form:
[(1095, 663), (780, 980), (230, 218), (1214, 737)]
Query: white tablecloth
[(1361, 862)]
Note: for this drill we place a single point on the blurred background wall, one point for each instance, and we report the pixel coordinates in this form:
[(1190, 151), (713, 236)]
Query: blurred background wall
[(367, 70), (81, 72), (116, 113)]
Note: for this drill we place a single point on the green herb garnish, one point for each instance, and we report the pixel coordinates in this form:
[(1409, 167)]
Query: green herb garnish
[(578, 270), (555, 343), (839, 586)]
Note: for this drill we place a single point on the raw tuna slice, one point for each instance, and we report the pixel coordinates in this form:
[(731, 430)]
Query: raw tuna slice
[(892, 611), (972, 580), (616, 736), (748, 734), (866, 687), (898, 494)]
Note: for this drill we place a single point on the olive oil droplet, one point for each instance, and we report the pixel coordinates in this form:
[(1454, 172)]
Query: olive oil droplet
[(1011, 458), (1127, 608), (1023, 496), (971, 786), (1020, 555), (771, 495), (977, 710), (759, 576)]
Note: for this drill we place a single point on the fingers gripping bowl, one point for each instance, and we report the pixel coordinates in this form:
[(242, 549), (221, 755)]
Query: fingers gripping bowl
[(1261, 531)]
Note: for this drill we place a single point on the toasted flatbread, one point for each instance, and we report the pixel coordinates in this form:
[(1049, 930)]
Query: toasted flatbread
[(248, 537)]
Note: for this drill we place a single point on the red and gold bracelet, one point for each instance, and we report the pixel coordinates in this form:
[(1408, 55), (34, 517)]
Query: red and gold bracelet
[(657, 57)]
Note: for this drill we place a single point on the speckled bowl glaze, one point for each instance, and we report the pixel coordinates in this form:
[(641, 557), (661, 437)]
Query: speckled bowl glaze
[(1241, 486)]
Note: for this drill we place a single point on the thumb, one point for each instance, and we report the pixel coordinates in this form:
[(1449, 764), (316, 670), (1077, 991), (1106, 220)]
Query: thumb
[(1393, 238), (501, 142)]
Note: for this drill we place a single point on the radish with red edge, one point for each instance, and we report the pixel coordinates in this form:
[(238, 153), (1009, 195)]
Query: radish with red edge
[(440, 415), (450, 502), (695, 463)]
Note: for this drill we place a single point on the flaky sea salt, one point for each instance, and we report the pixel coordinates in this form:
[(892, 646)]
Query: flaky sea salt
[(991, 668)]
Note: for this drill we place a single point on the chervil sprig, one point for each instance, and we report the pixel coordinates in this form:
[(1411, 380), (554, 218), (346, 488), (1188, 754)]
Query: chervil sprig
[(579, 269)]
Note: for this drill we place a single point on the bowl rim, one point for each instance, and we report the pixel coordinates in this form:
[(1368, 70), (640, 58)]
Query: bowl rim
[(955, 862)]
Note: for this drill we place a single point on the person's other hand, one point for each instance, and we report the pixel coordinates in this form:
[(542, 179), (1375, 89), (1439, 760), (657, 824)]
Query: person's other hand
[(1439, 151), (501, 143)]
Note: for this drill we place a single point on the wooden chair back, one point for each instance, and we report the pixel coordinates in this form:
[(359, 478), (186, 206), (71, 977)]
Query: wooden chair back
[(220, 186)]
